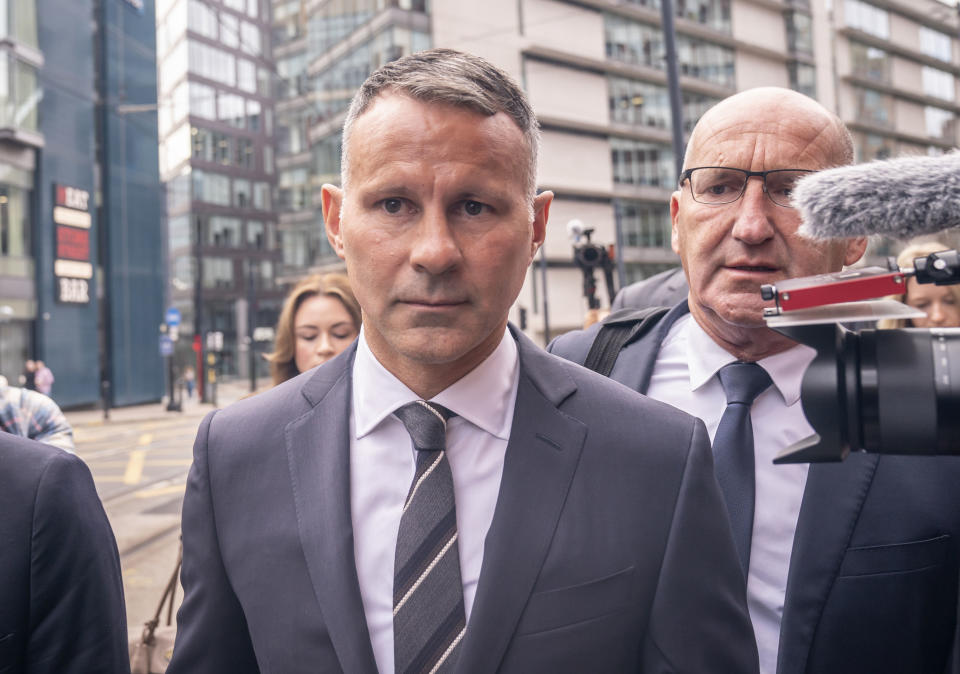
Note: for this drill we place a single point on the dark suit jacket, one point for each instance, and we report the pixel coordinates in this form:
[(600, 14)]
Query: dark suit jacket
[(61, 595), (872, 585), (608, 550), (660, 290)]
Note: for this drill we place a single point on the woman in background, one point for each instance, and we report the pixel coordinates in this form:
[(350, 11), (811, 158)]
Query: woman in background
[(319, 319), (941, 303)]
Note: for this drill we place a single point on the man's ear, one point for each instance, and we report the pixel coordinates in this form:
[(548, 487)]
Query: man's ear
[(855, 250), (541, 213), (674, 212), (331, 201)]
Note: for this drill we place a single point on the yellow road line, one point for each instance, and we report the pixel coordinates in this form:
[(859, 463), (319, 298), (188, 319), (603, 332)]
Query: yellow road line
[(145, 439), (134, 470)]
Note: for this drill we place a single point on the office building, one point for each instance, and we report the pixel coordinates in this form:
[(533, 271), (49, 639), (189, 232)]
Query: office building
[(81, 279), (595, 73), (217, 161)]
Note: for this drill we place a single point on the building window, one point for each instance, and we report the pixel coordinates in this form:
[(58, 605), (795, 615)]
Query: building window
[(246, 75), (211, 187), (326, 159), (203, 101), (868, 18), (261, 196), (935, 44), (874, 107), (638, 43), (803, 78), (712, 13), (203, 19), (230, 110), (15, 213), (938, 83), (640, 163), (648, 105), (19, 93), (873, 146), (217, 273), (644, 225), (213, 63), (292, 189), (245, 157), (241, 192), (940, 123), (223, 232), (800, 33), (870, 63), (256, 234), (18, 21)]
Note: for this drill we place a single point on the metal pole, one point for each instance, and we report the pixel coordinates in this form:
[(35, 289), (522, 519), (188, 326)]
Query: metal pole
[(673, 83), (251, 354), (618, 233), (202, 393)]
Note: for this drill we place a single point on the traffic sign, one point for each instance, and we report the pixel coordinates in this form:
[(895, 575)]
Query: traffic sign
[(172, 317), (166, 346)]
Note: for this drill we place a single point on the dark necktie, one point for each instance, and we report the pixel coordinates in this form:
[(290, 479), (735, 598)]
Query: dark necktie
[(428, 615), (733, 450)]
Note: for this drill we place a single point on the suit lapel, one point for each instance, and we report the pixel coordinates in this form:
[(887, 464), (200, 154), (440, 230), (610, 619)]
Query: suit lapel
[(318, 452), (540, 462), (634, 367), (832, 501)]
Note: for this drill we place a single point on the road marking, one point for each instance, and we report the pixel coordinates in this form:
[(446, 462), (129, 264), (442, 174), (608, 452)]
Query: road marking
[(134, 471), (162, 491), (145, 439)]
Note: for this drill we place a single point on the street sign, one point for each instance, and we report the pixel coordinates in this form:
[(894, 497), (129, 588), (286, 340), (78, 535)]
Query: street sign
[(172, 317), (215, 341), (166, 346)]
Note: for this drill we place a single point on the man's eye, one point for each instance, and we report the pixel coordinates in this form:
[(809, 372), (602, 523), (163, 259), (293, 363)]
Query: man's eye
[(472, 207), (392, 205), (719, 189)]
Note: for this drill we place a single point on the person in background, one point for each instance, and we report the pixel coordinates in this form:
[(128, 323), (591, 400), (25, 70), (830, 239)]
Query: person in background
[(941, 303), (29, 377), (33, 415), (61, 593), (44, 378), (190, 380), (320, 318)]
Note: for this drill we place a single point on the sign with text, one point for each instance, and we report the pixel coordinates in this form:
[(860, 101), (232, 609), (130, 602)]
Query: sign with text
[(72, 266)]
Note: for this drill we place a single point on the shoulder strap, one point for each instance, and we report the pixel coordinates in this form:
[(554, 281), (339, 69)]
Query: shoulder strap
[(618, 330)]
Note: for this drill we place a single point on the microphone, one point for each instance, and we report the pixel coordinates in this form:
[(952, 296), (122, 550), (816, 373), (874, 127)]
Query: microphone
[(900, 198)]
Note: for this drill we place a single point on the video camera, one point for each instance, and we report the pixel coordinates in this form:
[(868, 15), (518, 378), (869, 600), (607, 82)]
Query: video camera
[(884, 391), (588, 257)]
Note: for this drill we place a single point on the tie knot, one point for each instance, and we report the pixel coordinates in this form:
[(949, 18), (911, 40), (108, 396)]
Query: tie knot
[(743, 382), (426, 423)]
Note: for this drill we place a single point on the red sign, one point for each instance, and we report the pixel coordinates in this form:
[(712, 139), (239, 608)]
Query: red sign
[(73, 243)]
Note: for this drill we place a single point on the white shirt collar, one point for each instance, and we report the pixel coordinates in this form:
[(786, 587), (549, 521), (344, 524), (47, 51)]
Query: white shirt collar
[(705, 358), (377, 393)]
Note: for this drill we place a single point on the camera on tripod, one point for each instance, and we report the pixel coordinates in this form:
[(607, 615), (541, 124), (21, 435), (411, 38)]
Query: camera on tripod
[(589, 257), (883, 391)]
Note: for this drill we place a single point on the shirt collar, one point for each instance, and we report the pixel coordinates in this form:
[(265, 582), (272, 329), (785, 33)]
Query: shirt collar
[(485, 396), (705, 358)]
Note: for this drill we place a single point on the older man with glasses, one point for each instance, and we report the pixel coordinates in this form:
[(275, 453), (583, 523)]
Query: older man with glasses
[(849, 567)]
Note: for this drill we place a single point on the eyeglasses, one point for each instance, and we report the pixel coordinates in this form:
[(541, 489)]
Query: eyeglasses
[(717, 185)]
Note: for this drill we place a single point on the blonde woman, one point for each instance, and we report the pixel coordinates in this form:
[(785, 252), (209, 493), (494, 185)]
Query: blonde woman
[(319, 319), (941, 303)]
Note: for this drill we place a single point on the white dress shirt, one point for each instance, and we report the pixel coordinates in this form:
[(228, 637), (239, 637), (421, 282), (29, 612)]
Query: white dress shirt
[(684, 376), (382, 465)]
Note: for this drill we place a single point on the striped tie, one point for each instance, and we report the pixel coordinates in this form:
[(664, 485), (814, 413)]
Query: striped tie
[(428, 615)]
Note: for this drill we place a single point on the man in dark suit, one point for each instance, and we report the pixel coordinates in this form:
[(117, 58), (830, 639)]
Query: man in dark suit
[(444, 496), (851, 567), (660, 290), (61, 595)]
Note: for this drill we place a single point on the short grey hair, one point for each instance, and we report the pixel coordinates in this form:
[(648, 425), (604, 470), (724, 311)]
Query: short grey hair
[(454, 78)]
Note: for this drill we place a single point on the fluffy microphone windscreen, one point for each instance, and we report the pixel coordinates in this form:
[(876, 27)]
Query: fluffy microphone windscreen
[(900, 198)]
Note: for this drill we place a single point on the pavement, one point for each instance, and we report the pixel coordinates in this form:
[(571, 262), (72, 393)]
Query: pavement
[(139, 458)]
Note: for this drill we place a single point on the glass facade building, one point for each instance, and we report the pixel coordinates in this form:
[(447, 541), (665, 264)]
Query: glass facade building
[(218, 161)]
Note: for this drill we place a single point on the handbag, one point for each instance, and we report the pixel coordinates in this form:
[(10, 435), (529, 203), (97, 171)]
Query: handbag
[(150, 653)]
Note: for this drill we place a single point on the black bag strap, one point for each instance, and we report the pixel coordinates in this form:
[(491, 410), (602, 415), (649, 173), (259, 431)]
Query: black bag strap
[(618, 330)]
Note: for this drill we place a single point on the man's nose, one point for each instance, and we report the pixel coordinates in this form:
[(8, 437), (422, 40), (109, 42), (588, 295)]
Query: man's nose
[(434, 248), (754, 223)]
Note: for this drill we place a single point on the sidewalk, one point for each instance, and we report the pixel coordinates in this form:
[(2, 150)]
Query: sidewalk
[(228, 391)]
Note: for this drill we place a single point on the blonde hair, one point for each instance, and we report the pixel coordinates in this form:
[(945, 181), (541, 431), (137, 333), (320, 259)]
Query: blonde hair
[(905, 259), (283, 366)]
